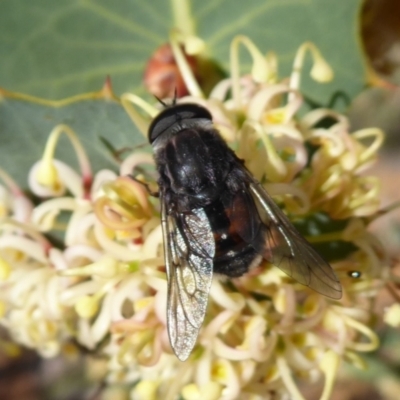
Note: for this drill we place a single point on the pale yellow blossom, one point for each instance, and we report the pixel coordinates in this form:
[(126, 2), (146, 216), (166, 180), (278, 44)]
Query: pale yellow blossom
[(106, 287)]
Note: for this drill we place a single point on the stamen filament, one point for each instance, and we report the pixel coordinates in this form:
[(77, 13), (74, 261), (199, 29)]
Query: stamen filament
[(261, 70), (47, 174), (287, 378), (374, 147), (182, 17), (10, 183), (184, 68), (277, 170), (127, 99), (329, 366), (321, 71)]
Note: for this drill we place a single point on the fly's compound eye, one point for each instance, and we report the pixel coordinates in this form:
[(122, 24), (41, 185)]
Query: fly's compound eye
[(172, 116)]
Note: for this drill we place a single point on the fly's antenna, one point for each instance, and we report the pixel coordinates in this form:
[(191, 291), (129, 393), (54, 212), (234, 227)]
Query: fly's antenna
[(161, 102), (173, 100)]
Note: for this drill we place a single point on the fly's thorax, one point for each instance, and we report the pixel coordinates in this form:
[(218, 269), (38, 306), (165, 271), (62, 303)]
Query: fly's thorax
[(195, 163)]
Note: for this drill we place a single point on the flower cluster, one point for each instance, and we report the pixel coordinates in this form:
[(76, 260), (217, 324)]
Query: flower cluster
[(103, 282)]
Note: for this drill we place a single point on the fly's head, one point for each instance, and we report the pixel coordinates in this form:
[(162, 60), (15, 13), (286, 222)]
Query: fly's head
[(173, 119)]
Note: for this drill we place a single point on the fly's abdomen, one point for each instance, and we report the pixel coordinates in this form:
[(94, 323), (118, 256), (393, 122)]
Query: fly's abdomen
[(233, 255), (236, 259)]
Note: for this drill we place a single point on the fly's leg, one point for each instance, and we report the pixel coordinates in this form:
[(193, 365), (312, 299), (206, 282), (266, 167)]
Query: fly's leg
[(146, 186)]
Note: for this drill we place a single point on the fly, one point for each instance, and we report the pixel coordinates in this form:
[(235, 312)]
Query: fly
[(217, 218)]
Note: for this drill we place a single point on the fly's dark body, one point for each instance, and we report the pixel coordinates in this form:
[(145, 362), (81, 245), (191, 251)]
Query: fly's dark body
[(217, 218), (198, 170)]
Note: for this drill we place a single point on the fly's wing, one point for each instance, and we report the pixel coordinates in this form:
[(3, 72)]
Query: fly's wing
[(278, 241), (189, 248)]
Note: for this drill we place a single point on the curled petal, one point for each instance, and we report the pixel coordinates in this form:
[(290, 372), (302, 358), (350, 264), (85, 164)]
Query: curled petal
[(125, 205), (230, 301)]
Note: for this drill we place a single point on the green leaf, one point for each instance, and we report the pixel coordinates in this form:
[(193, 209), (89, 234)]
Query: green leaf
[(25, 126), (282, 26), (320, 224), (56, 49)]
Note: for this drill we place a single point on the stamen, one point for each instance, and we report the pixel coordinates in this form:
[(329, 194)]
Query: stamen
[(371, 335), (45, 214), (184, 24), (229, 301), (128, 100), (298, 195), (287, 378), (10, 183), (9, 224), (183, 17), (184, 67), (321, 71), (371, 186), (275, 167), (124, 205), (329, 366), (47, 174), (117, 250), (261, 70), (107, 267), (378, 135), (133, 161), (265, 97)]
